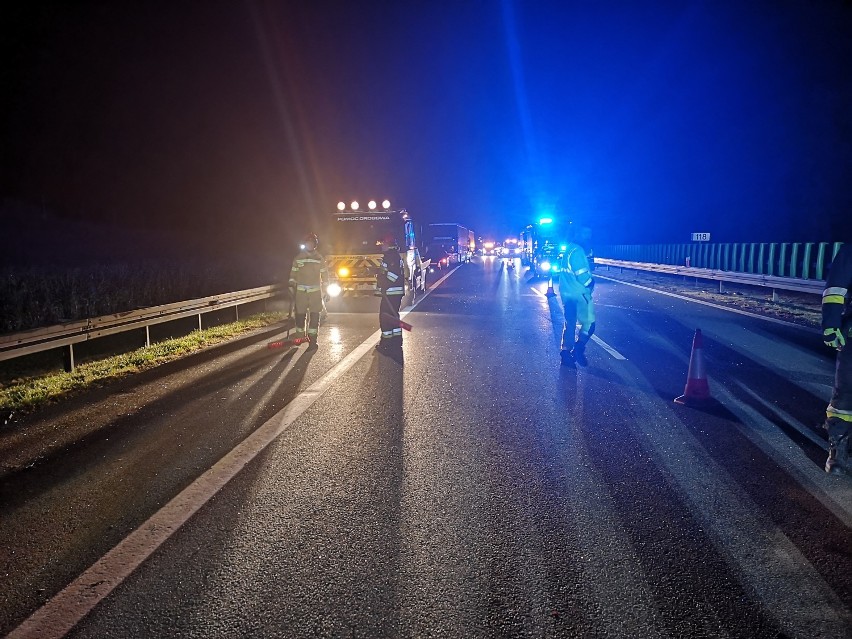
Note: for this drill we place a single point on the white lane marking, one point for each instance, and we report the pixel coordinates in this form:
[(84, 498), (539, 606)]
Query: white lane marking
[(537, 291), (609, 349), (63, 611), (697, 301)]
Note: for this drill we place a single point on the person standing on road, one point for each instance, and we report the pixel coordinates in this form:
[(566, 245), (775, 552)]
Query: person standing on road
[(837, 331), (575, 289), (307, 278), (390, 285)]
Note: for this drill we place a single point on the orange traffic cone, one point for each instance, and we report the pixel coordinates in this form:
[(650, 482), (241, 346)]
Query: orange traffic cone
[(697, 391), (550, 292)]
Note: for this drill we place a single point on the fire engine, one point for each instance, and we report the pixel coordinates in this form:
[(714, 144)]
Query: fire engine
[(354, 254)]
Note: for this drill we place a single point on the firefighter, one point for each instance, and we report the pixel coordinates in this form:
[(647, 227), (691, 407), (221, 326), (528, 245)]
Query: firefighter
[(390, 285), (308, 278), (837, 332), (575, 289)]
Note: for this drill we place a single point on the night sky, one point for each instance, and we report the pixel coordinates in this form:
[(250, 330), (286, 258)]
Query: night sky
[(243, 123)]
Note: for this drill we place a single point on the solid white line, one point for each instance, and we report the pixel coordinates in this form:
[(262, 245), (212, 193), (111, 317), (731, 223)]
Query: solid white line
[(63, 611)]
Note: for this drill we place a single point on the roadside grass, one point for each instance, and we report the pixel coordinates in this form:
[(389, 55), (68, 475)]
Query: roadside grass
[(26, 394)]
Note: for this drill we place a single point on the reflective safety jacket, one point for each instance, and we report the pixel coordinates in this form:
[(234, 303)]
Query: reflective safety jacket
[(308, 273), (390, 279), (575, 277), (836, 307)]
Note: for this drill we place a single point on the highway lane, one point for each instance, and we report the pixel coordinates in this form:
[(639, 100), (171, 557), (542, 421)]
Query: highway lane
[(477, 488)]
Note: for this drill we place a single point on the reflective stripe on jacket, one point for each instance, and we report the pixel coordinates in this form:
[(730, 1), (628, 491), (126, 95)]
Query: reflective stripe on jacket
[(308, 272), (836, 309), (575, 278), (389, 278)]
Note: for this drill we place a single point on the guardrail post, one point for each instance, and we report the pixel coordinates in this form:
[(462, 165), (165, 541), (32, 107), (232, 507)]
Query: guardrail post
[(806, 261), (820, 264), (794, 260), (199, 322), (147, 335), (68, 359), (237, 312)]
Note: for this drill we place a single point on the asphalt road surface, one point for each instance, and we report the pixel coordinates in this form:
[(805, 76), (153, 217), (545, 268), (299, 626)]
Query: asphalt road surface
[(467, 487)]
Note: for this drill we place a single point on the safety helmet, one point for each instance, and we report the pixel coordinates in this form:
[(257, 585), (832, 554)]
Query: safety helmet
[(310, 242)]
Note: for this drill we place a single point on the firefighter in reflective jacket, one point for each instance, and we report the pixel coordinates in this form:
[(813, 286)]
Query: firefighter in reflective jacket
[(837, 333), (575, 289), (390, 285), (307, 278)]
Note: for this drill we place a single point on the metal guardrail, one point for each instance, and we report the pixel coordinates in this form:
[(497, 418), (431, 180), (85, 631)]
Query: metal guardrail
[(774, 282), (14, 345), (805, 260)]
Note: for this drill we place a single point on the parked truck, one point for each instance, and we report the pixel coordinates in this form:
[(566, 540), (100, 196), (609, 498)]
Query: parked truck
[(448, 243)]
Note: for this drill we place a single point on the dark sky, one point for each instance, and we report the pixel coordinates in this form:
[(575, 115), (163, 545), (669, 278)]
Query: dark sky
[(243, 122)]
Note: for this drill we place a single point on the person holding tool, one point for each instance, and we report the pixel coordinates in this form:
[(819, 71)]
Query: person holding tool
[(308, 276), (390, 286)]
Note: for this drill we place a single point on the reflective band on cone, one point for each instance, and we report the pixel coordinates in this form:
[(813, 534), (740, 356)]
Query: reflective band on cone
[(697, 391)]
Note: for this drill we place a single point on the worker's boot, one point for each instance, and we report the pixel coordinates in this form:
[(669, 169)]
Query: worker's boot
[(579, 353), (567, 358), (299, 328), (838, 462)]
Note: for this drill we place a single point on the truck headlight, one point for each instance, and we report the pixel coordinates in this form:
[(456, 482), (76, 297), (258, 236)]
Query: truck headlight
[(333, 289), (545, 266)]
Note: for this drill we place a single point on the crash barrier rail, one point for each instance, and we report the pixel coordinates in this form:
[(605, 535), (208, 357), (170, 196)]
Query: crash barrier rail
[(806, 261), (15, 345), (774, 282)]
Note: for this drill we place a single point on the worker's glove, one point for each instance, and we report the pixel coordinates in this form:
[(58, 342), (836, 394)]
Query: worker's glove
[(834, 337), (325, 298)]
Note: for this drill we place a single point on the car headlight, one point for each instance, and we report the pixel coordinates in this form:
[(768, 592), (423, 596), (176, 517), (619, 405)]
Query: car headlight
[(545, 266), (333, 289)]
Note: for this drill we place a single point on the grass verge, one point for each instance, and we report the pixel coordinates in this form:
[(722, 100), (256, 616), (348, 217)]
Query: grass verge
[(22, 395)]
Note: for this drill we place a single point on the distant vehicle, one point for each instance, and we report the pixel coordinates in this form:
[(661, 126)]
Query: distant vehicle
[(439, 263), (448, 239), (540, 240), (546, 263)]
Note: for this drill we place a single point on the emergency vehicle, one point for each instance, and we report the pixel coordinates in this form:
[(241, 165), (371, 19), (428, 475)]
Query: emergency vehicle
[(353, 254)]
